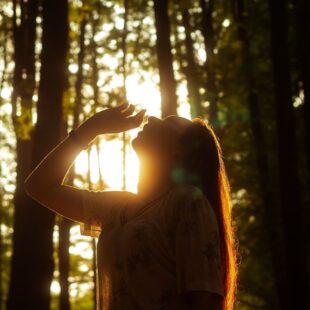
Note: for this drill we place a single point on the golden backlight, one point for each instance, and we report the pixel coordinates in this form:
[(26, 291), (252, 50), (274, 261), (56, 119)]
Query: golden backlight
[(142, 95)]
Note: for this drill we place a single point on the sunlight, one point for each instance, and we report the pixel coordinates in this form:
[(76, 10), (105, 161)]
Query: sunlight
[(226, 23), (7, 108), (143, 92), (82, 248), (111, 163), (6, 93), (81, 163), (80, 244), (83, 268), (73, 68), (55, 287)]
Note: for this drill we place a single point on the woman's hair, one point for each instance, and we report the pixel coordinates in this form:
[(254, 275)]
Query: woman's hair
[(200, 163)]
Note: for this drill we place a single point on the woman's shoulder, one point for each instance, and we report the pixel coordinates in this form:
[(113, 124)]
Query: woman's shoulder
[(189, 198), (187, 193)]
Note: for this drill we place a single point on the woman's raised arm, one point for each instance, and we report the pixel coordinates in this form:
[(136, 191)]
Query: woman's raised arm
[(45, 183)]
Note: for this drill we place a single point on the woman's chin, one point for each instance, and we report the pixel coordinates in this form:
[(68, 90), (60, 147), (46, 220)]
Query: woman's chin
[(135, 143), (138, 143)]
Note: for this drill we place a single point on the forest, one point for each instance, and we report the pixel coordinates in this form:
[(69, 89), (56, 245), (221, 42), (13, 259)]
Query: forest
[(241, 65)]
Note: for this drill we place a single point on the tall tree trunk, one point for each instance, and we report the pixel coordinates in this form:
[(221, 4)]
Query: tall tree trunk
[(302, 12), (65, 224), (191, 67), (165, 60), (94, 53), (32, 261), (64, 262), (23, 88), (209, 41), (271, 219), (295, 243), (90, 186)]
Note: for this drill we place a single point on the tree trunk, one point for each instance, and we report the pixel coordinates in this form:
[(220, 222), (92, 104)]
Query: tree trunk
[(64, 223), (270, 219), (32, 261), (209, 41), (295, 243), (90, 186), (24, 36), (165, 60), (191, 69), (302, 12), (95, 73), (64, 262), (64, 226)]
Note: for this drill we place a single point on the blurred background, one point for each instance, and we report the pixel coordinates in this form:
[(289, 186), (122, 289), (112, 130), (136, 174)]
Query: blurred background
[(241, 65)]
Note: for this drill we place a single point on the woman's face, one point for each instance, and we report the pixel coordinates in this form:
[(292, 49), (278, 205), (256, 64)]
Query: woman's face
[(159, 137)]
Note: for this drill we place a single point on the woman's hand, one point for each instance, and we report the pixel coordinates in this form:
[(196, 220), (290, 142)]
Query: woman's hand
[(114, 120)]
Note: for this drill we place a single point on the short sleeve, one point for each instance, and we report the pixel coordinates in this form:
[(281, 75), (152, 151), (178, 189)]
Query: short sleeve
[(197, 245), (99, 208)]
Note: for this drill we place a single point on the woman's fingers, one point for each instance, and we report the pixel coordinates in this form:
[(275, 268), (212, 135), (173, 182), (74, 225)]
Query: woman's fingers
[(122, 107), (129, 110), (137, 119)]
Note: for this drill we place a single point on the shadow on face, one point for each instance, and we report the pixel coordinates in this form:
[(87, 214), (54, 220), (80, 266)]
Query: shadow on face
[(159, 137)]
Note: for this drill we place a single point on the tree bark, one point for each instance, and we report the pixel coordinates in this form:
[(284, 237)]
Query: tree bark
[(64, 262), (164, 57), (295, 243), (302, 13), (65, 224), (191, 67), (94, 245), (209, 41), (32, 261), (24, 36)]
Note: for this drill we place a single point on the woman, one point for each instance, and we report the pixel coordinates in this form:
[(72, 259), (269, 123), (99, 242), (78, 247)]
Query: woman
[(171, 245)]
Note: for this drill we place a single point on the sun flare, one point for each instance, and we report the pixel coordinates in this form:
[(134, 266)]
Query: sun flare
[(106, 162)]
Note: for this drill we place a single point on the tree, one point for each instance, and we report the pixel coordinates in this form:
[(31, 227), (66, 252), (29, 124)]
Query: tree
[(164, 57), (65, 224), (270, 218), (207, 29), (33, 243), (302, 32), (24, 36), (191, 67), (295, 252)]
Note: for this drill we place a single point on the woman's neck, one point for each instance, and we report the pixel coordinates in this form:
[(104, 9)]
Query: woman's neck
[(154, 180)]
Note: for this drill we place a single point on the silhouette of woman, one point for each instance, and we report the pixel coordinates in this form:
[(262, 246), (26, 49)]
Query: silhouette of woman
[(171, 245)]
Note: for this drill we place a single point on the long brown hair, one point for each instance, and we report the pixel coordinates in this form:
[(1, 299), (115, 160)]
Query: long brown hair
[(199, 156)]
